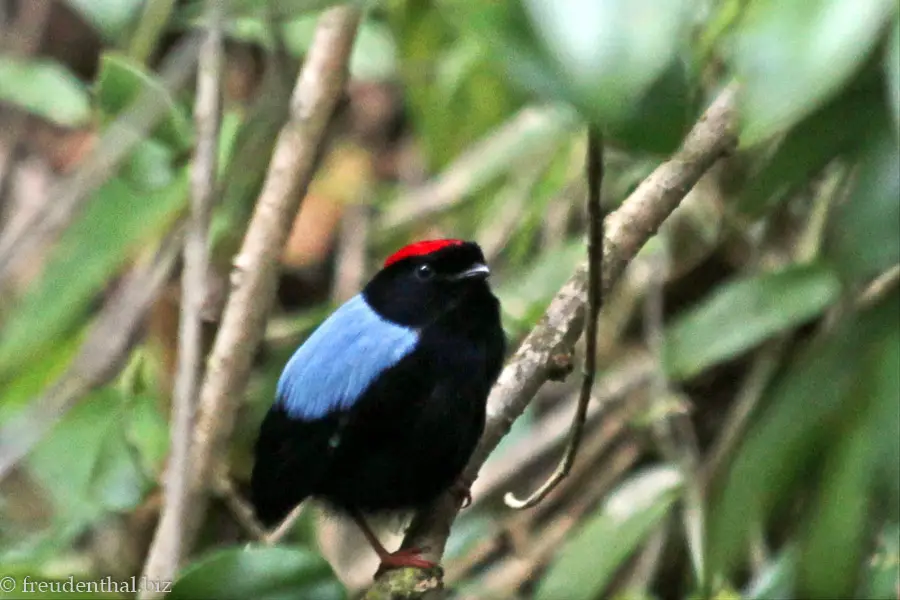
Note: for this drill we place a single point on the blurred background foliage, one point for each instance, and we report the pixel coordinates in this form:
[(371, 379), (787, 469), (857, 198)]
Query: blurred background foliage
[(755, 453)]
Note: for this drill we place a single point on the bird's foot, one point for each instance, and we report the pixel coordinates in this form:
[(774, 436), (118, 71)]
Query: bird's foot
[(405, 557), (462, 490)]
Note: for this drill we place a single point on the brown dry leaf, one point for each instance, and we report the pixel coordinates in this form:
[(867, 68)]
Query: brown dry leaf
[(63, 149), (345, 173)]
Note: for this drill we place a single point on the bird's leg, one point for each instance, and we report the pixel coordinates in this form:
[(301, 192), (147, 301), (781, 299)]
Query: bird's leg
[(408, 557), (463, 490)]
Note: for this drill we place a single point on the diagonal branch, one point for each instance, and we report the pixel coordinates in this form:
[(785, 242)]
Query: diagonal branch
[(530, 131), (628, 229)]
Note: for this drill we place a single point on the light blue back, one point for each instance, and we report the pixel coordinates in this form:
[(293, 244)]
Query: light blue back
[(336, 364)]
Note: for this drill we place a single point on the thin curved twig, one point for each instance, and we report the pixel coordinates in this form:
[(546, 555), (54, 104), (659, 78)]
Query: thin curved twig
[(594, 169)]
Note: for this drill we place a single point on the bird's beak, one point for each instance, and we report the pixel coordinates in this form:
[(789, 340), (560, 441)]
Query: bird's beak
[(477, 271)]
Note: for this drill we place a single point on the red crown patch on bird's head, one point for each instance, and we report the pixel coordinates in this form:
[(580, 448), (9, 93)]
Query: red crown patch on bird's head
[(420, 249)]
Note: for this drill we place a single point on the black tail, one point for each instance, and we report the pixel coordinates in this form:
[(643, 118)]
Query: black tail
[(271, 499), (290, 459)]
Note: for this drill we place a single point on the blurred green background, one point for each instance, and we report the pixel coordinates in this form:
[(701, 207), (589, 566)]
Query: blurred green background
[(753, 453)]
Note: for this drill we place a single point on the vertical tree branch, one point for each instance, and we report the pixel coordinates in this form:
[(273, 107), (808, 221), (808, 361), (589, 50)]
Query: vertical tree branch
[(21, 38), (166, 550), (254, 278), (353, 241)]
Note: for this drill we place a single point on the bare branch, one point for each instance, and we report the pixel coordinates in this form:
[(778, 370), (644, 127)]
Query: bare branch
[(254, 278), (532, 129), (353, 242), (22, 38), (594, 167), (166, 549), (880, 286), (283, 528), (240, 508), (628, 229)]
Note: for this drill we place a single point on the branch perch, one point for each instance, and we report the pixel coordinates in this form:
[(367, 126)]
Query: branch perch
[(628, 229), (254, 277)]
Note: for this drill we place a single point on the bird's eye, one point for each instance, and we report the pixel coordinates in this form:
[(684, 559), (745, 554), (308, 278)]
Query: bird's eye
[(424, 272)]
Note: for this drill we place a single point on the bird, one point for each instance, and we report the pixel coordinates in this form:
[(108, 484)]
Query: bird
[(380, 409)]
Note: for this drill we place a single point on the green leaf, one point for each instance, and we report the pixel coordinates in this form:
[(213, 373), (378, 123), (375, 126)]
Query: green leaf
[(149, 166), (112, 18), (193, 9), (121, 81), (116, 224), (810, 406), (36, 375), (658, 121), (892, 73), (588, 562), (610, 51), (835, 129), (864, 234), (261, 573), (529, 293), (833, 548), (504, 32), (743, 313), (44, 88), (148, 432), (86, 463), (793, 56), (831, 555), (455, 91)]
